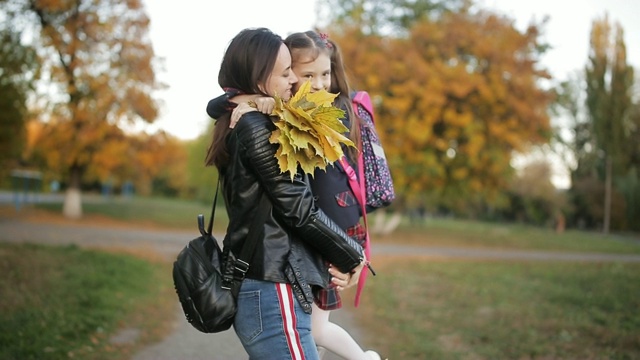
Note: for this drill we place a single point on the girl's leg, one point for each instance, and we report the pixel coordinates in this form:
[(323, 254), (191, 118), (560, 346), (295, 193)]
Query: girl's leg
[(271, 324), (334, 338)]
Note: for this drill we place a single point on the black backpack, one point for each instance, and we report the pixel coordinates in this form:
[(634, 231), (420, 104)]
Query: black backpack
[(206, 283), (207, 300)]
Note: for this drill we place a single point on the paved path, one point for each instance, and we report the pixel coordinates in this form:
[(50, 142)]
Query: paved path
[(187, 343), (169, 242)]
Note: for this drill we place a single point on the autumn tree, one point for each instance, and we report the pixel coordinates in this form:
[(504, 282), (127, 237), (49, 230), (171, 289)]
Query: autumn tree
[(100, 65), (18, 72), (609, 83), (384, 17), (455, 97), (152, 163), (160, 160)]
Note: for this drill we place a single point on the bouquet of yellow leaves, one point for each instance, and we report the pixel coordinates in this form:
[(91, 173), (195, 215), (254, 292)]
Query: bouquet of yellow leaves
[(308, 130)]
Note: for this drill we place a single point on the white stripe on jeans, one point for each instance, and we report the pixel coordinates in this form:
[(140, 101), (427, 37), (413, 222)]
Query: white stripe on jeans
[(285, 297)]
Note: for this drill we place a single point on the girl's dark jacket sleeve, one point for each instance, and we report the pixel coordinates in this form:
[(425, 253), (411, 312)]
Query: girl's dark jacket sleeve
[(254, 162)]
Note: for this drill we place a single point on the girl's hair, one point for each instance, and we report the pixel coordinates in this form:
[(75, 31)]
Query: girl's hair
[(246, 64), (311, 44)]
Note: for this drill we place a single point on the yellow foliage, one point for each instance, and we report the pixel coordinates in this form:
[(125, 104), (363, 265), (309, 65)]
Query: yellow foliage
[(309, 131), (460, 173), (464, 81), (106, 75)]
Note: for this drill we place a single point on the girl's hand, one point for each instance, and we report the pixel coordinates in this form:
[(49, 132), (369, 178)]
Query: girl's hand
[(344, 281), (248, 103), (237, 113), (265, 104)]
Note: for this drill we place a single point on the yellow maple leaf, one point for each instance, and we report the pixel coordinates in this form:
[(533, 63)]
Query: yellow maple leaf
[(330, 116), (320, 98), (309, 131)]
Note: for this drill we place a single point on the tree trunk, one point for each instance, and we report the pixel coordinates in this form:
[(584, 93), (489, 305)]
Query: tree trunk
[(607, 195), (72, 207)]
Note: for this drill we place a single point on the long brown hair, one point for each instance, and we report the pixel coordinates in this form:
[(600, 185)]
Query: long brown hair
[(312, 44), (246, 64)]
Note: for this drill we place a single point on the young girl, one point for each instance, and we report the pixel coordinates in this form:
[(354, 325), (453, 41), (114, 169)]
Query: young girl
[(317, 59)]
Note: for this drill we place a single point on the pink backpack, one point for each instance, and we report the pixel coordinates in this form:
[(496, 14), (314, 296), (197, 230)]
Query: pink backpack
[(377, 188), (372, 165)]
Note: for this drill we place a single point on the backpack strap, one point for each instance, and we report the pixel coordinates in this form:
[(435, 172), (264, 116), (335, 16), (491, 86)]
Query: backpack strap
[(362, 98), (241, 264), (357, 187)]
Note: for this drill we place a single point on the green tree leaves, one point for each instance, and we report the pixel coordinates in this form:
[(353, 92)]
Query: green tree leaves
[(609, 82), (18, 70)]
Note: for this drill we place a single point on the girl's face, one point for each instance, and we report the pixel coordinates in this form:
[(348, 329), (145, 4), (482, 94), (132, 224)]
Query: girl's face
[(282, 78), (318, 71)]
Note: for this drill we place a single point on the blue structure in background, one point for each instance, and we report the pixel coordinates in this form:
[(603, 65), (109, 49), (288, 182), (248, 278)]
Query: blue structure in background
[(127, 189), (23, 183), (107, 189)]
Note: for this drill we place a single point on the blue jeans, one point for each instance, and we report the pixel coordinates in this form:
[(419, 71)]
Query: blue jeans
[(271, 324)]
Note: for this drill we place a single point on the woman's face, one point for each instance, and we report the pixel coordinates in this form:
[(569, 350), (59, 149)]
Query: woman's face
[(282, 77), (318, 71)]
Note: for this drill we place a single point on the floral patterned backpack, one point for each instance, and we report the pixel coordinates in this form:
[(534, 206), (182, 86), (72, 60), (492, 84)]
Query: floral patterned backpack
[(376, 190), (372, 165)]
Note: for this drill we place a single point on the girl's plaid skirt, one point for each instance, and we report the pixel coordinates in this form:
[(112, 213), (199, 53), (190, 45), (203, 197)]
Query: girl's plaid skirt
[(329, 298)]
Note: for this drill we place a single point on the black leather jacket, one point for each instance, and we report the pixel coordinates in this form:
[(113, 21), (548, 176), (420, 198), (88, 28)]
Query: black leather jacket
[(297, 235)]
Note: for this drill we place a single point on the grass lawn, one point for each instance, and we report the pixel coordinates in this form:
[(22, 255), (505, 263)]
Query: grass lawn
[(468, 233), (66, 302), (422, 309)]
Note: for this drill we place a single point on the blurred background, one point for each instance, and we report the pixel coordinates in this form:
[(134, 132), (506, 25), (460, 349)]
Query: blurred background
[(487, 110), (512, 130), (478, 117)]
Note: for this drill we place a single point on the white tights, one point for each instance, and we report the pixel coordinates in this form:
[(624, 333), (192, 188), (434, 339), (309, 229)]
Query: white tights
[(334, 338)]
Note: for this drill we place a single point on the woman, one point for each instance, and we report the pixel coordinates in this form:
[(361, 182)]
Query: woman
[(297, 236), (317, 59)]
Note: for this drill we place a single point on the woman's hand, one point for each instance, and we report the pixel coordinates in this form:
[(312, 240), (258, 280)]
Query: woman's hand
[(344, 281)]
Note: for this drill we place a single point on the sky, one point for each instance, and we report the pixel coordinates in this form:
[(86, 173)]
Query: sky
[(191, 36)]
